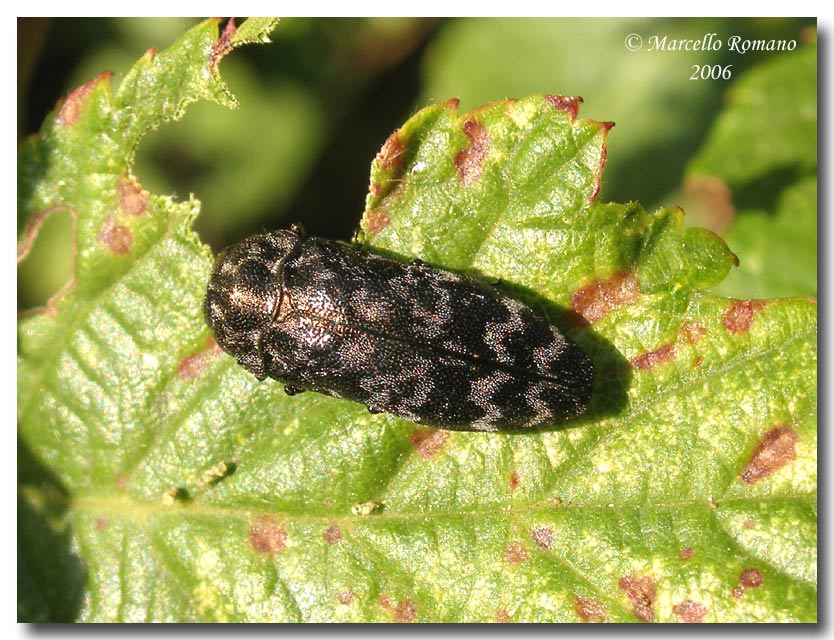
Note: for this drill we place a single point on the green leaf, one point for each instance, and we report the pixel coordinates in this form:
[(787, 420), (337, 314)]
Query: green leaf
[(160, 481), (662, 116)]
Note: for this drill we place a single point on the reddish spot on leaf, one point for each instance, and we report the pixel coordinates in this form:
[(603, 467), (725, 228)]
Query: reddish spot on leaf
[(687, 553), (116, 237), (748, 524), (514, 553), (603, 158), (333, 534), (391, 155), (691, 332), (543, 536), (345, 596), (75, 102), (651, 359), (739, 315), (750, 578), (267, 536), (642, 593), (589, 610), (27, 241), (776, 448), (193, 365), (376, 189), (405, 611), (711, 201), (223, 45), (101, 524), (502, 615), (596, 300), (470, 161), (377, 221), (514, 480), (122, 482), (429, 442), (690, 611), (133, 200), (568, 104), (30, 231), (697, 361)]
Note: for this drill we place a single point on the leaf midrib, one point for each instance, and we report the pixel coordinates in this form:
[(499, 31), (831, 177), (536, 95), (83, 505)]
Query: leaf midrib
[(103, 504)]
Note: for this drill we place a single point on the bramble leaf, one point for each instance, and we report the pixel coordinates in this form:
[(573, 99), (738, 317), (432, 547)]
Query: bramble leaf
[(160, 481)]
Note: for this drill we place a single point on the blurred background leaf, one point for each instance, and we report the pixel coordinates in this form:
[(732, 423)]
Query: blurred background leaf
[(761, 159), (320, 99)]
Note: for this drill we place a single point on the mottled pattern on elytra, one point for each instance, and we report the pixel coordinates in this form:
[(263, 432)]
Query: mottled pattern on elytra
[(424, 344)]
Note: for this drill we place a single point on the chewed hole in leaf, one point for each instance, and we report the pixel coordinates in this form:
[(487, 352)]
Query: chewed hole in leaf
[(46, 256)]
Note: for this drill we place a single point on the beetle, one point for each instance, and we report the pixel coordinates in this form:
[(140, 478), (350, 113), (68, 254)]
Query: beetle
[(425, 344)]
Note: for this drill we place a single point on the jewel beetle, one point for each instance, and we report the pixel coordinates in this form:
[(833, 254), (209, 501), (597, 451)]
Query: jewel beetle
[(424, 344)]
